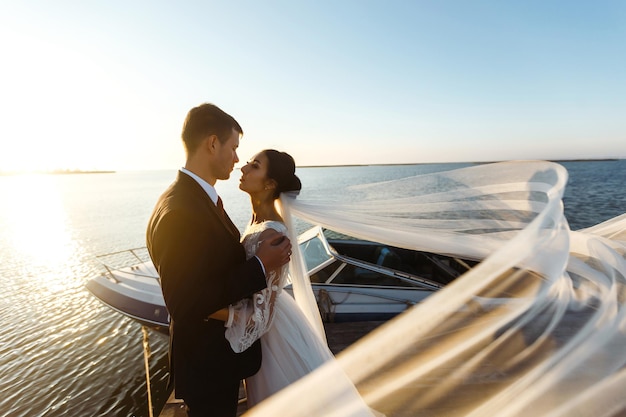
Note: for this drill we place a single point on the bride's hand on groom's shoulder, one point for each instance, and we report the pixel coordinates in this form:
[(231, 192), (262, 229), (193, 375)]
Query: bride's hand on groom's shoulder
[(274, 249)]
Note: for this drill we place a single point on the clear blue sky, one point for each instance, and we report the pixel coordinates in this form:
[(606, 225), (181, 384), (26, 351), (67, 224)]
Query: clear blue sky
[(107, 84)]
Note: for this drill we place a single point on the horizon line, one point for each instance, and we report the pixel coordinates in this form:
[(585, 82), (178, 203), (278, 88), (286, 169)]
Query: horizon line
[(101, 171)]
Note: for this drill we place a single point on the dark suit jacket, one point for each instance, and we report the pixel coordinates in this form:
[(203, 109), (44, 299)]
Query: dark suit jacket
[(203, 268)]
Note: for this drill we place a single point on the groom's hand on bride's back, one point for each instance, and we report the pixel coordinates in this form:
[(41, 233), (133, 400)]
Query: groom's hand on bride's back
[(274, 250)]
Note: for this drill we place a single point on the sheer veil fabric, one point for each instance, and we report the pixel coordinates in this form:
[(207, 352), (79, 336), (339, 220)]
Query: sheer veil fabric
[(539, 325)]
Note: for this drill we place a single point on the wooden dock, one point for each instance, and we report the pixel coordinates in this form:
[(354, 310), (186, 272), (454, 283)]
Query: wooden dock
[(339, 336)]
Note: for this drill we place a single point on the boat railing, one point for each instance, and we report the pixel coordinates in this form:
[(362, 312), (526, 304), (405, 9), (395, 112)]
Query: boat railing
[(350, 289), (128, 258)]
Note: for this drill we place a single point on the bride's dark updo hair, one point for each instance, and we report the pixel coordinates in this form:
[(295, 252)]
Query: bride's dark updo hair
[(281, 168)]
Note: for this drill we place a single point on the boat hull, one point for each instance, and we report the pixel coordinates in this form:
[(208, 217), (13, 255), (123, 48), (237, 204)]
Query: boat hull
[(145, 306), (144, 303)]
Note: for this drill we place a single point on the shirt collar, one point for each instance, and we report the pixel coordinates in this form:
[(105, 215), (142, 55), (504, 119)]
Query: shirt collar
[(208, 188)]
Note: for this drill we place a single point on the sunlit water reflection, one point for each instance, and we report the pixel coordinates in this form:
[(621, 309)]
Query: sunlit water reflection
[(62, 352)]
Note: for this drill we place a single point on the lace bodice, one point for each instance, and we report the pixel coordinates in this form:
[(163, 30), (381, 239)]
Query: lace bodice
[(250, 318)]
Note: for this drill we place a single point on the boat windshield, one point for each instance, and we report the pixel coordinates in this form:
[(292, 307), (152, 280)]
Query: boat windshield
[(315, 250), (357, 263)]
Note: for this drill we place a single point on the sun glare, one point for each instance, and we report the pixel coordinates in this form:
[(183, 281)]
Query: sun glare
[(38, 227)]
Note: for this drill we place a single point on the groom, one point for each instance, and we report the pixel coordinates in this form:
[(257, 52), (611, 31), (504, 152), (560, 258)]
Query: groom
[(203, 268)]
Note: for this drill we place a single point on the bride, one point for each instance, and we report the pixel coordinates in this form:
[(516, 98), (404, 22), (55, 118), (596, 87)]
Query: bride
[(291, 346)]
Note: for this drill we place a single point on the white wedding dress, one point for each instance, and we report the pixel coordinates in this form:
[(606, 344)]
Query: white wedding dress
[(291, 347)]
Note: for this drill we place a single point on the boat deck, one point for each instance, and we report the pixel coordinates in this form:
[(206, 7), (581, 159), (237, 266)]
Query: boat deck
[(339, 336)]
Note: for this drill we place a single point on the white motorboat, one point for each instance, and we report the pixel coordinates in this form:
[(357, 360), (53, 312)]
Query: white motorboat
[(353, 280)]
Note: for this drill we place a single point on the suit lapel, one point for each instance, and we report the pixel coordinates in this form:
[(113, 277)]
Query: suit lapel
[(197, 189), (231, 226), (225, 219)]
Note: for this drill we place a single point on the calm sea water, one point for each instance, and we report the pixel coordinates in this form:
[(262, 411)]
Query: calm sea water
[(64, 353)]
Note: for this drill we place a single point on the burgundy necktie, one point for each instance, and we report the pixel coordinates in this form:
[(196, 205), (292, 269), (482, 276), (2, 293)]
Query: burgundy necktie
[(220, 207), (227, 222)]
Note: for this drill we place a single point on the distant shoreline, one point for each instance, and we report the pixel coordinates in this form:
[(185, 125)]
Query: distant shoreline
[(57, 172)]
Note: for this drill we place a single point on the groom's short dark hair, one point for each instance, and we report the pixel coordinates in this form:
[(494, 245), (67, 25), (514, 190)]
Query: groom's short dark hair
[(205, 120)]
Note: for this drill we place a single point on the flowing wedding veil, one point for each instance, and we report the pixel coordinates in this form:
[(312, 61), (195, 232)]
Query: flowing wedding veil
[(538, 326)]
